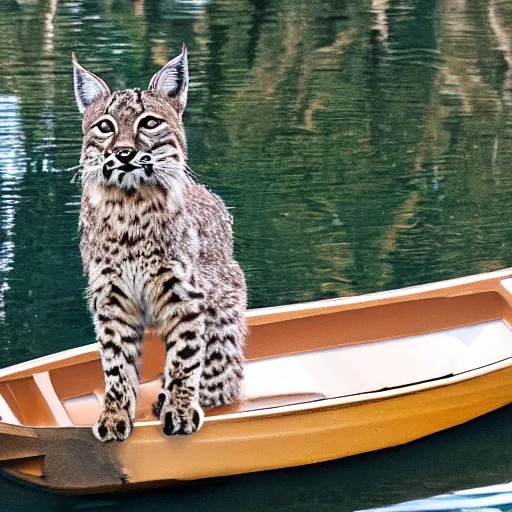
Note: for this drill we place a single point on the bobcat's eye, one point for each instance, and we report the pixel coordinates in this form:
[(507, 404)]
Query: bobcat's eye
[(149, 122), (105, 126)]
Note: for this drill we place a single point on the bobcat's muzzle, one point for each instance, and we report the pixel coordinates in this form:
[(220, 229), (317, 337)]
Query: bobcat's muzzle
[(124, 161)]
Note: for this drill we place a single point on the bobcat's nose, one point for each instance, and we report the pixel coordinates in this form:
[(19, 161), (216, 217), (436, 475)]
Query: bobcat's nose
[(125, 155)]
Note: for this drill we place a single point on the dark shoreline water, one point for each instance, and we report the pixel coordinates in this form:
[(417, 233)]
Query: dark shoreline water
[(361, 146)]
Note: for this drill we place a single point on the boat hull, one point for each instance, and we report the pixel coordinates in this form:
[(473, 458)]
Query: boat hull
[(70, 459)]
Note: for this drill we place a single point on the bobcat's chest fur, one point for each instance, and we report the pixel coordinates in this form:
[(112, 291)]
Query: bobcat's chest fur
[(133, 238)]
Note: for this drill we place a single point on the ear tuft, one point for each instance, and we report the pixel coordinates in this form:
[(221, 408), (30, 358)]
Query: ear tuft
[(172, 79), (88, 87)]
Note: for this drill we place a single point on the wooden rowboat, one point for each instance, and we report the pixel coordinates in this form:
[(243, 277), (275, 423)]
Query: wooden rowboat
[(324, 380)]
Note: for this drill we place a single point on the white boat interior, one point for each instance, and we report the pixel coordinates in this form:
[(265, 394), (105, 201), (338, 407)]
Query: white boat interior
[(380, 365)]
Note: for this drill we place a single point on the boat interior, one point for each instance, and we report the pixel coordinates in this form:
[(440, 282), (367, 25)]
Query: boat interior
[(303, 357)]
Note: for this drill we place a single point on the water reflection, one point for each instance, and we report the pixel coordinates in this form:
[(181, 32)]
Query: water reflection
[(360, 146), (11, 169)]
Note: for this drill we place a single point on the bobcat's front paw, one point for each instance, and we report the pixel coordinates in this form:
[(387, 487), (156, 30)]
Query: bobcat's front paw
[(181, 421), (113, 426)]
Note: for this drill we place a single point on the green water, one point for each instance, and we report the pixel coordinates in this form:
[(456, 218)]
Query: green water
[(361, 146)]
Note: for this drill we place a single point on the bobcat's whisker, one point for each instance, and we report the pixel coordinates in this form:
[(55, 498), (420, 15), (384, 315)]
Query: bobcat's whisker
[(190, 171), (87, 172), (71, 168), (165, 156), (163, 173)]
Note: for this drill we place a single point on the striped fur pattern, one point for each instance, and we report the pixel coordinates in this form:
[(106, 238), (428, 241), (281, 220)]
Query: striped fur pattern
[(157, 250)]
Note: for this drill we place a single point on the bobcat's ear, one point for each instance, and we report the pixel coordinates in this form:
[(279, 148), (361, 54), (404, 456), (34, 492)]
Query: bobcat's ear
[(172, 79), (88, 87)]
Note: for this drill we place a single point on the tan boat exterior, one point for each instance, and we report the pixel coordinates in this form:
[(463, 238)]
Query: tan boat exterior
[(45, 405)]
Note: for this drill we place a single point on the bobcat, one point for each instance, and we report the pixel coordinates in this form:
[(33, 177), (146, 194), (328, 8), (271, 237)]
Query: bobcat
[(157, 250)]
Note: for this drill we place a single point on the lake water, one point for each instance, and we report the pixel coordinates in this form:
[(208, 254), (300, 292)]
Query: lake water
[(361, 146)]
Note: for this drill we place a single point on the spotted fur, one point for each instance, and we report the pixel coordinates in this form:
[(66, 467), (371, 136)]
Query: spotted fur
[(157, 251)]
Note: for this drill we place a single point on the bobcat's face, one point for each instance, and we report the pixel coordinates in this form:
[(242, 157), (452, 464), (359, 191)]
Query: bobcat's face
[(133, 137)]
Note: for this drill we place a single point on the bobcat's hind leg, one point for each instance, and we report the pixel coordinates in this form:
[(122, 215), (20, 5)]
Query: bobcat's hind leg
[(183, 334), (119, 333), (222, 375)]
